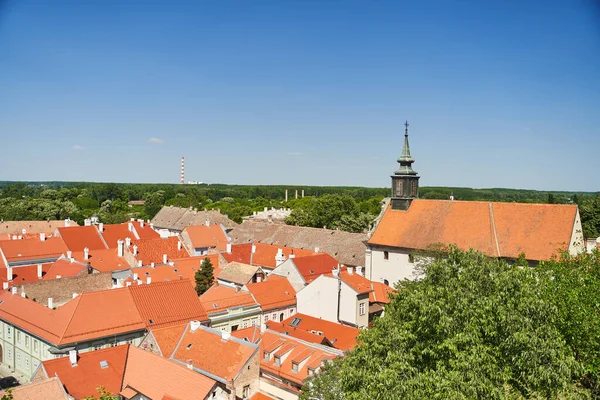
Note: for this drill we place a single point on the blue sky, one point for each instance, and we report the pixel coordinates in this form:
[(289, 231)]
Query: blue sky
[(498, 93)]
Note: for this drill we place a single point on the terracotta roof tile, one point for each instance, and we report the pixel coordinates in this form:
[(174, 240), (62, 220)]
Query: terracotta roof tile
[(103, 260), (176, 218), (203, 236), (20, 251), (238, 273), (220, 298), (112, 233), (168, 303), (63, 268), (359, 283), (31, 227), (311, 267), (160, 378), (274, 292), (307, 328), (381, 293), (538, 230), (183, 268), (77, 238), (261, 396), (167, 337), (145, 231), (83, 380), (264, 255), (209, 352), (47, 389), (348, 248), (152, 250)]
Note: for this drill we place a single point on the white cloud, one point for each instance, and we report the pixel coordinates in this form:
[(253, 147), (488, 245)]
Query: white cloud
[(78, 147), (155, 140)]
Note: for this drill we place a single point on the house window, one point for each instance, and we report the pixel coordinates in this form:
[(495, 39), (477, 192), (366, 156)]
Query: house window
[(361, 309), (266, 356), (9, 351), (19, 336), (292, 311), (35, 345), (386, 255), (246, 391), (18, 358), (26, 363), (411, 258), (294, 367), (26, 341), (245, 324), (97, 346), (277, 361), (130, 340), (8, 332), (274, 316), (266, 317), (253, 323), (386, 282)]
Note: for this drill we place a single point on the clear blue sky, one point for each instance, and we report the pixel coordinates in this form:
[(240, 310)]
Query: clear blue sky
[(498, 93)]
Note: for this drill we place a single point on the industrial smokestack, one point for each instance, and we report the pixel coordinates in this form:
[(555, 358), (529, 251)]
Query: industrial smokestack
[(182, 170)]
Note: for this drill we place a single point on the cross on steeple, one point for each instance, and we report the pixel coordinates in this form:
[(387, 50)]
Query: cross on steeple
[(406, 126)]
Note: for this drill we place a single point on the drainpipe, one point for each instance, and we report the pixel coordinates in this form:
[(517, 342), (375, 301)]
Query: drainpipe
[(339, 300)]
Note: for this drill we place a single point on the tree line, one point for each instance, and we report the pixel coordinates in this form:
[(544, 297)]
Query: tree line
[(351, 209)]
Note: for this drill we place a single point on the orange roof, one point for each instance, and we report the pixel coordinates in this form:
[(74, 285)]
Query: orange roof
[(47, 389), (313, 266), (301, 352), (274, 292), (112, 233), (24, 274), (79, 237), (496, 229), (381, 293), (31, 227), (358, 283), (183, 268), (261, 396), (206, 349), (32, 249), (103, 260), (82, 380), (168, 303), (167, 337), (160, 378), (207, 236), (306, 327), (152, 250), (64, 268), (264, 255), (220, 298)]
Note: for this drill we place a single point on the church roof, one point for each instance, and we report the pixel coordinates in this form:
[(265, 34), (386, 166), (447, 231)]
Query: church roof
[(496, 229)]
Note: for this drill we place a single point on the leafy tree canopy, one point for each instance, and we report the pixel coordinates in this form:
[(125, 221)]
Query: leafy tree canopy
[(204, 277), (472, 328)]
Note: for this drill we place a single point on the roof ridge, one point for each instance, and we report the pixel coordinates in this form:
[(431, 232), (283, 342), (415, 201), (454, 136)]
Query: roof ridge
[(77, 300), (101, 237)]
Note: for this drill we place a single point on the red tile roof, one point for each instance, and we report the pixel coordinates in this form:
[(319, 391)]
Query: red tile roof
[(159, 378), (84, 379), (264, 255), (32, 249), (311, 267), (261, 396), (103, 260), (220, 298), (381, 293), (303, 353), (183, 268), (496, 229), (274, 292), (203, 236), (79, 237), (47, 389), (358, 283), (167, 337), (64, 268), (144, 230), (24, 274), (168, 303), (152, 250), (31, 227), (313, 330), (112, 233), (209, 352)]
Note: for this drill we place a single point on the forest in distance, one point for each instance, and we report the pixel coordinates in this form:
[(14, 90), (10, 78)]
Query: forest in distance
[(351, 209)]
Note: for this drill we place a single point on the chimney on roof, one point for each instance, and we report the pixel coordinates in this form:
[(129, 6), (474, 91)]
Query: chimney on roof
[(139, 263), (87, 222), (152, 265), (58, 276), (316, 249), (23, 231), (190, 364), (75, 295), (120, 248), (128, 284), (50, 303), (131, 219), (350, 270), (39, 271), (127, 241), (9, 273), (148, 280), (135, 276), (141, 221), (73, 357), (179, 246), (194, 325), (165, 259), (43, 237), (101, 227), (151, 225), (135, 250), (130, 226), (13, 290), (296, 193), (225, 335), (452, 196), (90, 270), (22, 292), (4, 285), (86, 254), (335, 272), (279, 257), (359, 270), (229, 248), (292, 255), (69, 254), (302, 193), (67, 222), (286, 195), (253, 248), (207, 222)]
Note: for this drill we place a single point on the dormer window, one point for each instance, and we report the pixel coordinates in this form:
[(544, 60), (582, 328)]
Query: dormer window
[(266, 356), (294, 367), (277, 361)]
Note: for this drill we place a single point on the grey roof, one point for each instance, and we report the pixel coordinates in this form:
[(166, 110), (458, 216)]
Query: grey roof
[(177, 218), (237, 272), (348, 248)]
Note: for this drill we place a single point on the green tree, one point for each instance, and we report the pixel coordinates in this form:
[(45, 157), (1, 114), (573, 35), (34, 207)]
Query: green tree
[(204, 277), (472, 327), (103, 394), (7, 395)]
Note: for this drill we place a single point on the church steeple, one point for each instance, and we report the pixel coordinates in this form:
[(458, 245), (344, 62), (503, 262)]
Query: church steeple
[(405, 181)]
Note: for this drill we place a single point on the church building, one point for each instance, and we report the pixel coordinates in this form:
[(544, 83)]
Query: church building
[(409, 225)]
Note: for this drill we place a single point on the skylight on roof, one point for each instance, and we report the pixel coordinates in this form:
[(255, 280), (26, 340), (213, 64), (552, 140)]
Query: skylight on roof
[(295, 321), (150, 321), (189, 346), (103, 364)]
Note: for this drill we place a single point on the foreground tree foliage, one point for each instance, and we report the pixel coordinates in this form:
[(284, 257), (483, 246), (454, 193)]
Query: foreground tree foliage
[(204, 277), (477, 328)]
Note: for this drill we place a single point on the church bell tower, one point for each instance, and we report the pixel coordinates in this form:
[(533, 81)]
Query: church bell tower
[(405, 181)]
